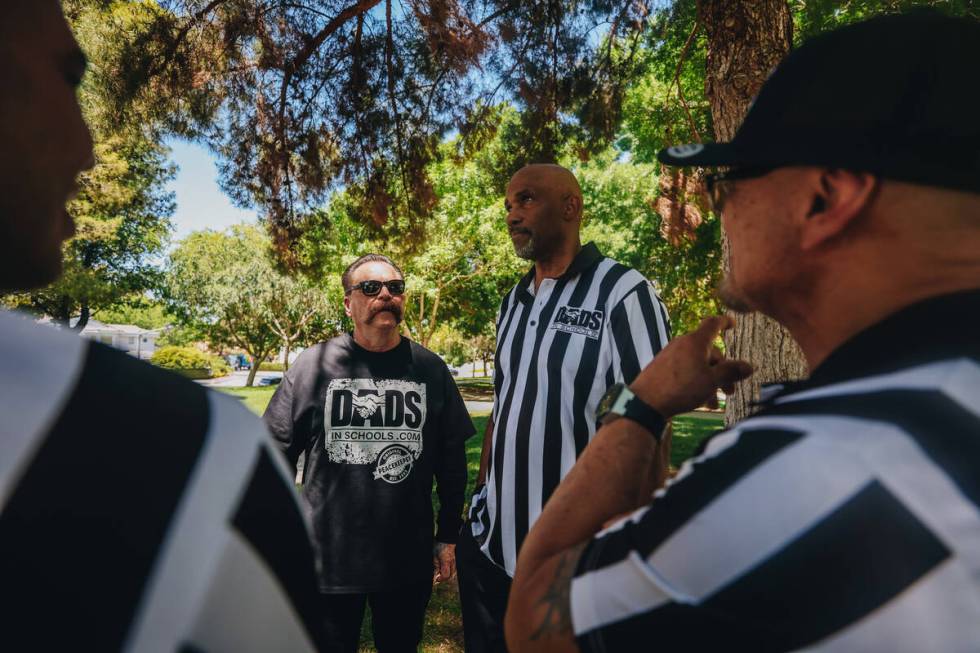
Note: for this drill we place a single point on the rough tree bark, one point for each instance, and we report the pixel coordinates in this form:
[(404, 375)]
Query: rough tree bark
[(745, 41), (257, 358), (84, 314), (288, 346)]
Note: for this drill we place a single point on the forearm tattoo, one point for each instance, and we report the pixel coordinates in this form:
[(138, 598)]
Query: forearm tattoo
[(557, 619)]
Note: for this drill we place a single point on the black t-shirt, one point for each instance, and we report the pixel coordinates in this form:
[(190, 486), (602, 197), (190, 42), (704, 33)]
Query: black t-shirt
[(376, 428)]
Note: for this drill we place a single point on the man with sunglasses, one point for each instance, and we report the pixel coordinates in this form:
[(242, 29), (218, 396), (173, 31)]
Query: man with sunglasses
[(845, 514), (378, 417)]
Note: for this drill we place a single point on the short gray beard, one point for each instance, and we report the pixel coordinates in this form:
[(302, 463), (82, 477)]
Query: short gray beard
[(527, 251)]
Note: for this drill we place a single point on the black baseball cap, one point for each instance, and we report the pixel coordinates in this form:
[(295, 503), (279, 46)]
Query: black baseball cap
[(897, 95)]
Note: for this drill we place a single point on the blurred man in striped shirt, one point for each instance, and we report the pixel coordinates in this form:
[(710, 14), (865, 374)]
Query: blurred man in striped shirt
[(138, 511)]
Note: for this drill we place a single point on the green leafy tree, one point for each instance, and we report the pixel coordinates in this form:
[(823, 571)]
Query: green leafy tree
[(811, 17), (294, 306), (145, 314), (451, 345), (224, 285), (217, 282), (484, 346), (298, 98)]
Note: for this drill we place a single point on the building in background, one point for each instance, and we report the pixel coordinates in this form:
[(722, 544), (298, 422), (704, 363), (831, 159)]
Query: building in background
[(133, 340)]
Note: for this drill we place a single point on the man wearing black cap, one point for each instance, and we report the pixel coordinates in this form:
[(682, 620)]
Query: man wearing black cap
[(845, 515)]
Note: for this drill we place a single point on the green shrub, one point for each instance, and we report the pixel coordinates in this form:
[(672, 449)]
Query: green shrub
[(180, 358), (178, 336), (219, 366), (270, 367), (190, 362)]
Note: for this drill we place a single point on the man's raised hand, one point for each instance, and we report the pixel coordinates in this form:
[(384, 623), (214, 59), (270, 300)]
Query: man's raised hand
[(690, 370)]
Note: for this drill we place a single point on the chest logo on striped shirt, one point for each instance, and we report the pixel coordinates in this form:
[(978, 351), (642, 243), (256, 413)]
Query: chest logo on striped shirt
[(573, 319)]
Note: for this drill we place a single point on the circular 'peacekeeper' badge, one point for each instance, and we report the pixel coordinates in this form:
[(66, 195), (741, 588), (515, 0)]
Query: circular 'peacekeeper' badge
[(394, 464)]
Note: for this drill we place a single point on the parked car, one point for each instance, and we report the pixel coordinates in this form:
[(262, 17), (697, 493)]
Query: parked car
[(238, 362)]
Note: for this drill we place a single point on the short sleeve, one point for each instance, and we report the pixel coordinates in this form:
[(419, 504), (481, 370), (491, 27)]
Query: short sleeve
[(640, 329)]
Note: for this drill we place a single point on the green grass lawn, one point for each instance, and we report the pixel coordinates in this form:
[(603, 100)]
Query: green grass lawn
[(689, 431), (255, 399), (443, 624), (475, 389)]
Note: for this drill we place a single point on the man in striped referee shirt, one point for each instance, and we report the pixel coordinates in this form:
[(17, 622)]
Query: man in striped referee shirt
[(845, 515), (574, 325), (138, 511)]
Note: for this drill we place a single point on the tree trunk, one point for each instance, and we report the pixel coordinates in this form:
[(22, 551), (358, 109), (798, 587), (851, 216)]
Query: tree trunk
[(256, 361), (285, 359), (745, 41), (62, 315), (83, 316), (432, 319)]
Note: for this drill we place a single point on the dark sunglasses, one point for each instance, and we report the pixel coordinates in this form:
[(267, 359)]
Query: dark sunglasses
[(372, 287), (720, 184)]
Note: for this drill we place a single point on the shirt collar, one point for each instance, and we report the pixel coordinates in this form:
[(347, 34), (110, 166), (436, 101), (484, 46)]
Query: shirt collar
[(933, 329), (588, 256)]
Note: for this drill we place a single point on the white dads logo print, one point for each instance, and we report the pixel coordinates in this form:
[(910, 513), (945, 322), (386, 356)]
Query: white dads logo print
[(367, 421), (573, 319)]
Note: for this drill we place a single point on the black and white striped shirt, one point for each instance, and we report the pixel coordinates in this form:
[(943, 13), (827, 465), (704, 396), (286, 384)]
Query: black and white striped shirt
[(843, 516), (138, 511), (558, 350)]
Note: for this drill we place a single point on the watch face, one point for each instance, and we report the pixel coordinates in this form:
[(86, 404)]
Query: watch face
[(608, 399)]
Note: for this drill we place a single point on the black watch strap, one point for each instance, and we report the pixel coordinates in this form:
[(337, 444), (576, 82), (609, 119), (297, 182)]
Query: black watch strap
[(646, 416), (619, 401)]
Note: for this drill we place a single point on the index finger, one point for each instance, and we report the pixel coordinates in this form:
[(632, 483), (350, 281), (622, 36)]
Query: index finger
[(711, 327)]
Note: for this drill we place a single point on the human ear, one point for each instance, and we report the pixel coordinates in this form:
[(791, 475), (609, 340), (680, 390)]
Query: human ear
[(838, 199), (573, 206), (347, 306)]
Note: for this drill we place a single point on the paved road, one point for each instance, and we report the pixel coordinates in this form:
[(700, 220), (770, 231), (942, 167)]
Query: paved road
[(479, 406), (238, 379)]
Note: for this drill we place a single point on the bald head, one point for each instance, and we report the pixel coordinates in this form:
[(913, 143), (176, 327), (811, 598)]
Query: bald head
[(552, 176), (544, 211)]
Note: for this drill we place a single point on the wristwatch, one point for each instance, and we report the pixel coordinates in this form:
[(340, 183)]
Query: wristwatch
[(619, 401)]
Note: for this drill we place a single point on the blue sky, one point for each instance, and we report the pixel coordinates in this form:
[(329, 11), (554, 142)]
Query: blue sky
[(200, 202)]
